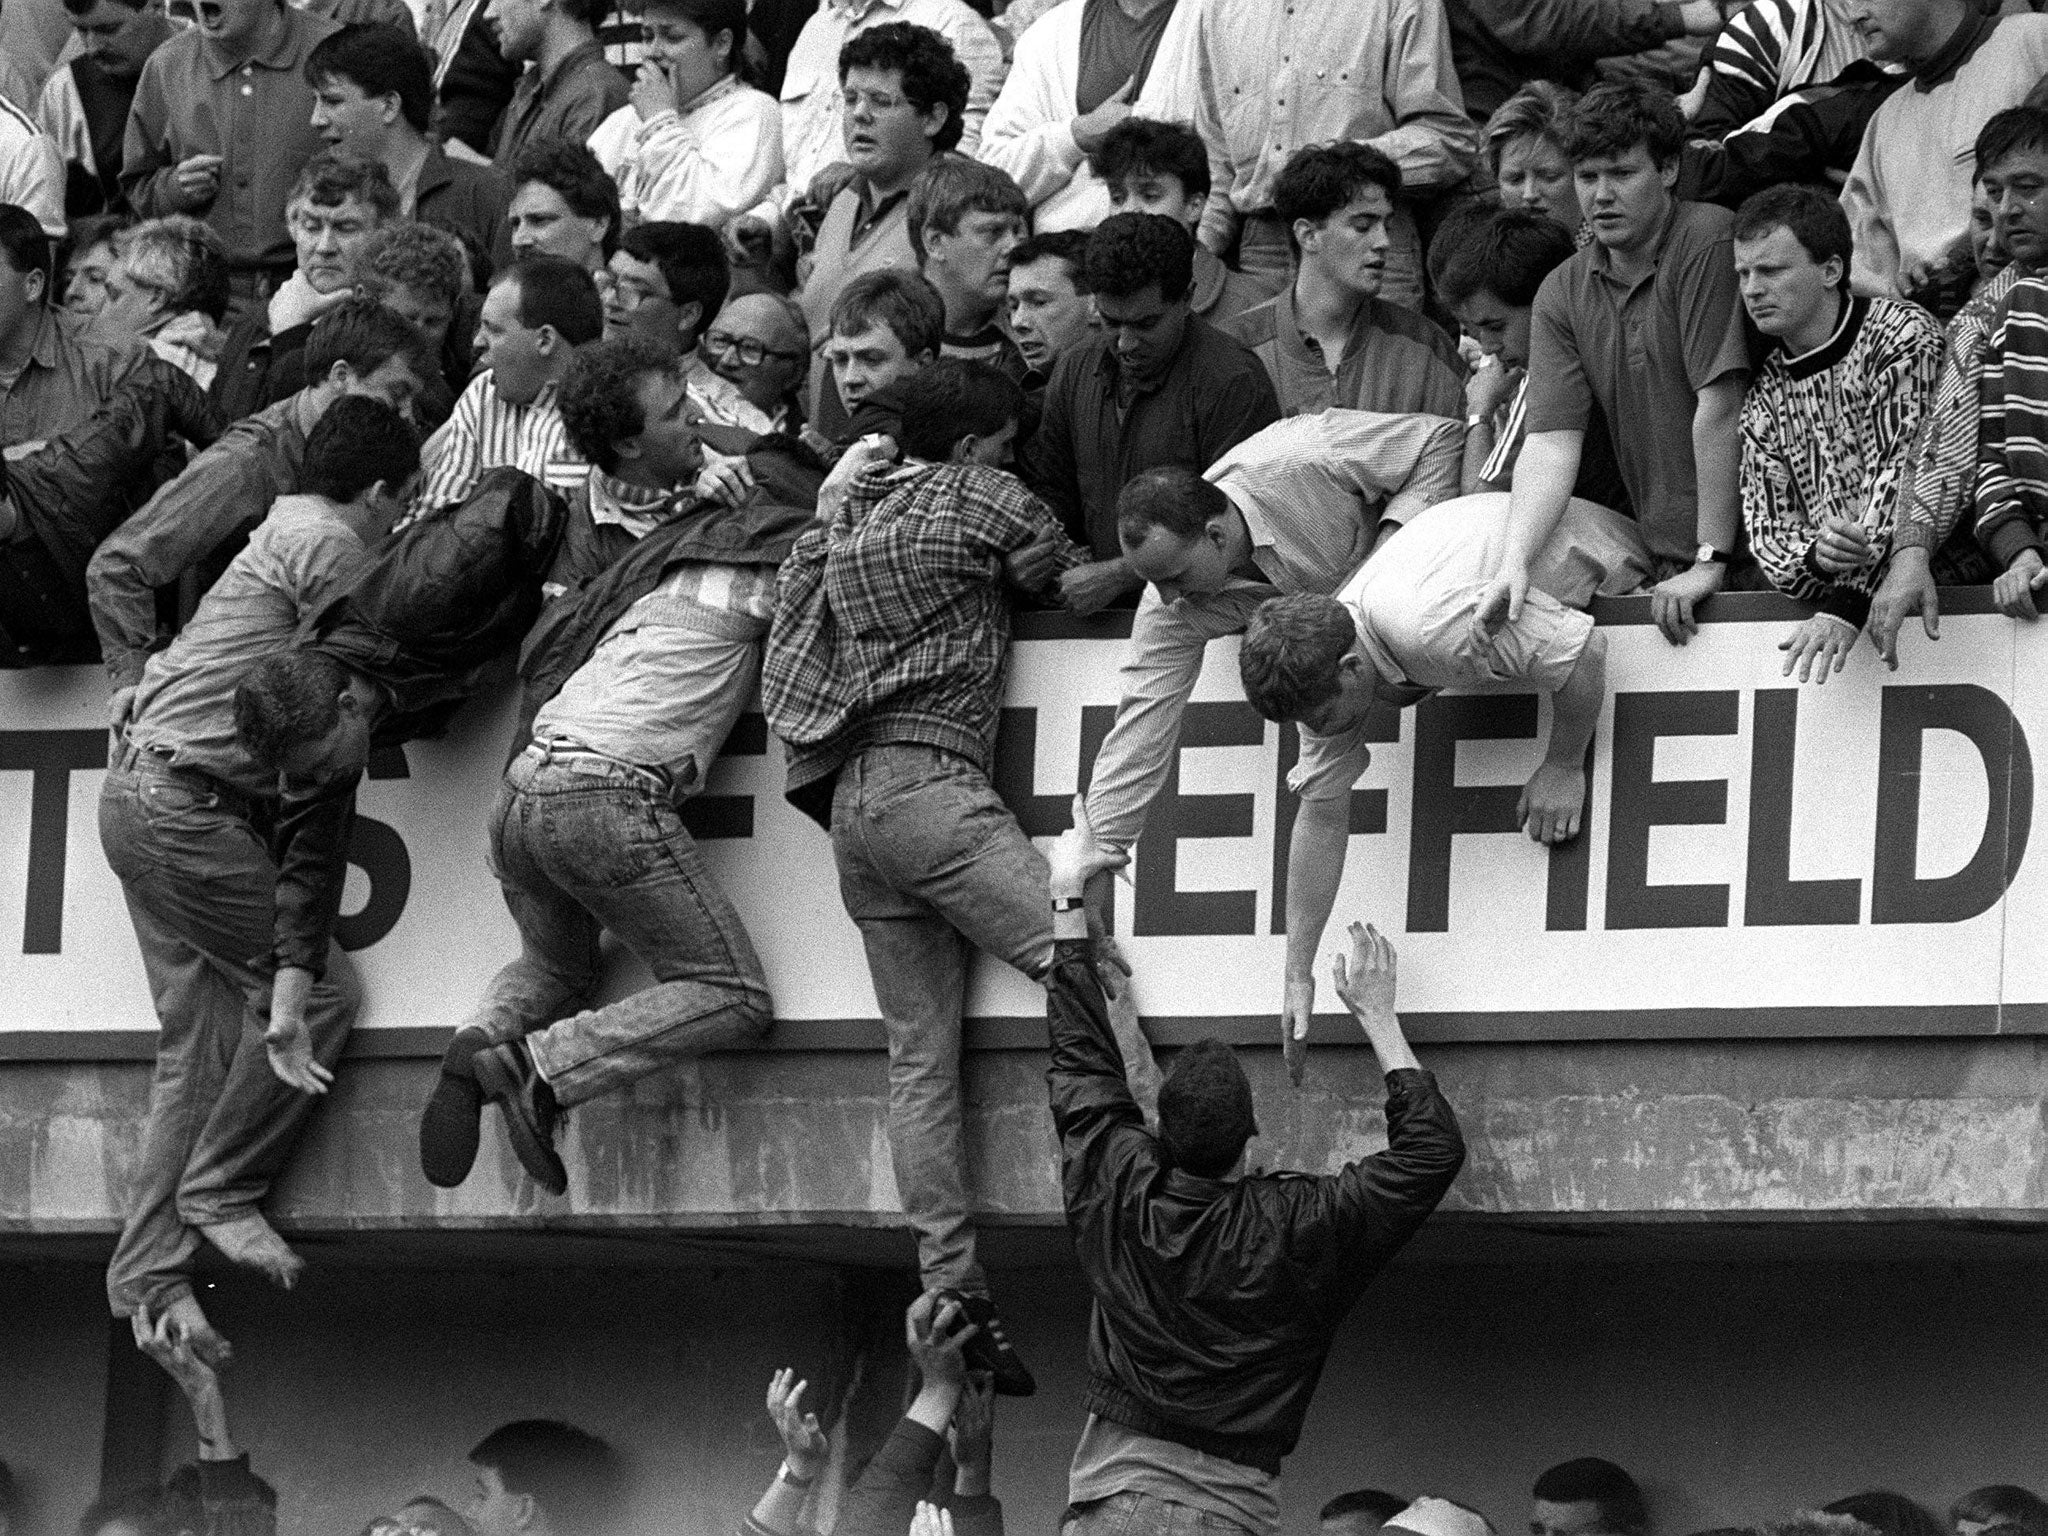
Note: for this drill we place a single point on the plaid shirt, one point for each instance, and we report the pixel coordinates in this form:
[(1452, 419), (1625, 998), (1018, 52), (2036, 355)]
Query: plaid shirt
[(892, 623)]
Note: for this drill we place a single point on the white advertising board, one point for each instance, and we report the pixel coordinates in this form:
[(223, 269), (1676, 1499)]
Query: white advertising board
[(1760, 859)]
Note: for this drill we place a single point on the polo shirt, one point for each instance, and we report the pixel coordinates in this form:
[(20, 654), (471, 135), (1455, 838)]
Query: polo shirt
[(858, 235), (1640, 354), (1395, 361), (255, 113), (1212, 396), (567, 102), (69, 374)]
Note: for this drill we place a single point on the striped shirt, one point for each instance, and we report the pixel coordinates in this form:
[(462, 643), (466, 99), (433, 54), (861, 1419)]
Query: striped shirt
[(489, 432), (2012, 428), (1941, 479), (1771, 48), (1828, 434)]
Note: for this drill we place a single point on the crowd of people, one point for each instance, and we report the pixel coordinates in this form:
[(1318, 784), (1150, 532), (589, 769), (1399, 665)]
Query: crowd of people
[(349, 348)]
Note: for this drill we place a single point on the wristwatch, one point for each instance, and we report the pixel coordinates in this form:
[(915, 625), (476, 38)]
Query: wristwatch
[(1069, 903), (786, 1475), (1708, 555)]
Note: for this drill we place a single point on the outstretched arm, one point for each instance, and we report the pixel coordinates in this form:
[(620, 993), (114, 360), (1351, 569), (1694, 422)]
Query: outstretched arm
[(1556, 794), (1315, 868)]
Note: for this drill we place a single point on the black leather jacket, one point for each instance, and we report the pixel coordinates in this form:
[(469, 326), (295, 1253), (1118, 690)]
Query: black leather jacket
[(1216, 1300)]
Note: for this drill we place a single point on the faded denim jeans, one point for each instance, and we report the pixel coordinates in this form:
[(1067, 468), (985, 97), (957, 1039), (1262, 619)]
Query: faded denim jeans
[(931, 864), (1142, 1514), (201, 890), (579, 851)]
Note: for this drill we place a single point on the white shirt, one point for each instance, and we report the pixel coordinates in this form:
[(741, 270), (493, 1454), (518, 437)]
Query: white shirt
[(489, 432), (31, 169), (718, 157)]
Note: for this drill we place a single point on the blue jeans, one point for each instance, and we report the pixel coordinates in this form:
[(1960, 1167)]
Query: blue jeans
[(1142, 1514), (582, 850), (931, 864), (201, 890)]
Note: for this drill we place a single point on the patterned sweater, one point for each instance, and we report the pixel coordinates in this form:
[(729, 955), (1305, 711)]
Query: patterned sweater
[(1944, 466), (2012, 431), (1827, 434)]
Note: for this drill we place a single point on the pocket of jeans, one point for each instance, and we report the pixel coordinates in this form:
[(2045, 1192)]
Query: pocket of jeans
[(165, 800)]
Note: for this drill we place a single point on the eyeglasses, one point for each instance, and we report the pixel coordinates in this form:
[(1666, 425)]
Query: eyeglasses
[(751, 352), (631, 292)]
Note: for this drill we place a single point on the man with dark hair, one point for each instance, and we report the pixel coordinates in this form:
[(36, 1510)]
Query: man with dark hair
[(56, 375), (563, 203), (1324, 72), (884, 678), (361, 348), (1828, 426), (1125, 400), (1163, 168), (222, 126), (1297, 507), (540, 1477), (338, 201), (884, 328), (1410, 622), (232, 872), (636, 688), (373, 95), (964, 219), (568, 89), (905, 93), (1217, 1294), (1587, 1497), (1360, 1512), (534, 318), (1908, 196), (85, 103), (1326, 338), (1644, 329), (664, 283), (1487, 271), (1051, 310)]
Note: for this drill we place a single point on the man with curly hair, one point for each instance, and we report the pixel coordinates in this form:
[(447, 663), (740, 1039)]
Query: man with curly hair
[(563, 204)]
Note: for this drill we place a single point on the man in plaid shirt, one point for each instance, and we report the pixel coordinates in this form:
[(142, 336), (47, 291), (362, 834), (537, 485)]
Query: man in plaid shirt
[(884, 677)]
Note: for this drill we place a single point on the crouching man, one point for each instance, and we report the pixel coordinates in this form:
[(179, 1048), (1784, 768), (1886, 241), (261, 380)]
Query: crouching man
[(1414, 619), (653, 662)]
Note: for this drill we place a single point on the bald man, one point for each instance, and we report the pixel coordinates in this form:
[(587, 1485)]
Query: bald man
[(756, 356)]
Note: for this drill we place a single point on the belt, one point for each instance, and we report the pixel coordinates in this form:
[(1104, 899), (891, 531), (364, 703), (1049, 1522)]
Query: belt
[(601, 765), (129, 758)]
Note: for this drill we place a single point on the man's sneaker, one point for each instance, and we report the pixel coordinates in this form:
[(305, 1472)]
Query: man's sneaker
[(507, 1076), (448, 1125), (990, 1349)]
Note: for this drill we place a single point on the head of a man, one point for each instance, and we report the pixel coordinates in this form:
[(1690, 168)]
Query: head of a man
[(230, 29), (167, 267), (626, 410), (1587, 1497), (1624, 143), (961, 411), (886, 326), (1205, 1111), (373, 89), (1997, 1504), (1430, 1515), (339, 200), (2012, 171), (539, 1477), (304, 716), (1300, 661), (1139, 267), (1906, 31), (93, 255), (417, 271), (905, 99), (1051, 310), (965, 219), (1792, 262), (117, 36), (524, 26), (24, 274), (363, 456), (761, 343), (1525, 144), (362, 348), (1180, 532), (694, 43), (563, 204), (1335, 200), (1887, 1513), (664, 283), (1148, 166), (1360, 1512), (1487, 271), (534, 318)]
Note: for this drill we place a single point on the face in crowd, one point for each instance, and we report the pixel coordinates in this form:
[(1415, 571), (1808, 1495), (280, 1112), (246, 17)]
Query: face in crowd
[(976, 257), (1350, 246), (543, 224), (1157, 192), (1049, 317), (119, 38), (1501, 330), (1626, 196), (756, 345), (85, 279), (887, 139), (521, 357), (326, 237), (686, 58), (667, 451), (2015, 188), (1182, 567), (866, 361), (1535, 174), (1144, 328)]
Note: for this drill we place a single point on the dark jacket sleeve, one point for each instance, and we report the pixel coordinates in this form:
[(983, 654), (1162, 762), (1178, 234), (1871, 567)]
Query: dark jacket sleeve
[(477, 87), (1576, 31), (883, 1500), (1231, 412), (1818, 134), (980, 1515), (232, 1500), (1048, 464), (313, 835), (1383, 1199), (1103, 1140)]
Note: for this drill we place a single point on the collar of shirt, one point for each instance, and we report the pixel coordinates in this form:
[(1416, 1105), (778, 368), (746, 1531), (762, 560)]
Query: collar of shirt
[(632, 507), (710, 95), (42, 352), (1306, 348), (857, 11), (867, 210), (279, 49), (1603, 258), (1848, 322), (576, 58), (1975, 30)]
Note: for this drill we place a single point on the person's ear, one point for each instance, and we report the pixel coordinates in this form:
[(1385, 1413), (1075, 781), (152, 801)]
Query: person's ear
[(1305, 231), (1668, 174), (35, 285), (341, 375), (627, 448), (932, 121), (1832, 270), (546, 339), (526, 1513), (690, 317), (925, 358), (963, 451), (389, 103), (1217, 530)]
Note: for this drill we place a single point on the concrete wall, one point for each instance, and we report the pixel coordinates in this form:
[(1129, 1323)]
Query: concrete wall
[(1736, 1391)]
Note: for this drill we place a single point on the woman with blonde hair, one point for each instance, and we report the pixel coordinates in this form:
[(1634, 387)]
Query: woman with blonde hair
[(170, 287)]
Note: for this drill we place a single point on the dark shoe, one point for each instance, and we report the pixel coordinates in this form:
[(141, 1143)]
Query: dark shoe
[(507, 1076), (449, 1124), (989, 1350)]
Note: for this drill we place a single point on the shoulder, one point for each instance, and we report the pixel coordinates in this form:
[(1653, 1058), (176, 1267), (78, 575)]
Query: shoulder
[(946, 16), (177, 55), (1220, 353), (2024, 30), (1057, 32), (1416, 329), (1906, 326), (16, 126), (307, 31), (1255, 327), (1701, 224)]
